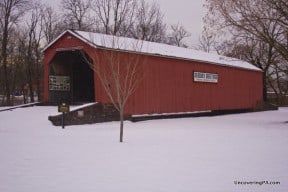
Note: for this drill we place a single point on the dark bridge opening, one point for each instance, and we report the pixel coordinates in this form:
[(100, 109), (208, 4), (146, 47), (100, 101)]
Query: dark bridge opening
[(71, 79)]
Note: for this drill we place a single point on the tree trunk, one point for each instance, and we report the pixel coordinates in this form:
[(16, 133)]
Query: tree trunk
[(39, 90), (30, 75), (7, 83), (4, 63), (31, 93), (24, 94), (30, 81), (121, 124)]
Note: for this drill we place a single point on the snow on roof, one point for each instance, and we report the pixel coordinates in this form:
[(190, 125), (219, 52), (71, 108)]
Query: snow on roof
[(158, 49)]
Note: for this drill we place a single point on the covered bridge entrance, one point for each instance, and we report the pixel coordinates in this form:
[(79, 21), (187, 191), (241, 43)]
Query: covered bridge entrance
[(71, 80)]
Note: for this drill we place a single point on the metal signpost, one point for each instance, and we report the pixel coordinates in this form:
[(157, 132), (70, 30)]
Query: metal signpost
[(63, 108)]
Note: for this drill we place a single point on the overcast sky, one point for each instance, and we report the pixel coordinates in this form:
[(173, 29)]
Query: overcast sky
[(188, 13)]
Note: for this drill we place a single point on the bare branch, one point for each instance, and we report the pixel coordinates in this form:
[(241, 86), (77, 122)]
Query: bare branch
[(179, 33), (77, 13)]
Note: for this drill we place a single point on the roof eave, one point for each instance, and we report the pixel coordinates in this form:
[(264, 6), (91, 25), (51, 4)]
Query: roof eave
[(52, 42), (75, 34)]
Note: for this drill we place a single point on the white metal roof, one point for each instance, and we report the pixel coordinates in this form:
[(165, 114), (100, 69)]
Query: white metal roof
[(98, 40)]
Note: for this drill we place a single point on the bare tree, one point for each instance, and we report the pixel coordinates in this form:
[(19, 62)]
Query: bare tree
[(259, 27), (52, 26), (77, 13), (252, 17), (207, 41), (130, 18), (12, 65), (19, 77), (277, 82), (34, 33), (257, 52), (119, 72), (37, 38), (178, 34), (114, 16), (149, 24), (10, 11), (279, 9)]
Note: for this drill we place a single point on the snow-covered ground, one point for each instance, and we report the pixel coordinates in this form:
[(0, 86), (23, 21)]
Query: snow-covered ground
[(206, 154)]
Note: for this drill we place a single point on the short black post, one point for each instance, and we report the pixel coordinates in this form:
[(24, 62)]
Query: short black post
[(63, 120), (63, 108)]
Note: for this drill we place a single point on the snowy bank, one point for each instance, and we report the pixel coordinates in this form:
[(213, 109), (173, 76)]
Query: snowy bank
[(192, 154)]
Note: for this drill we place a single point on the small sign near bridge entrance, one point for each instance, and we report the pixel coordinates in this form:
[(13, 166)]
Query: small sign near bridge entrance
[(63, 108)]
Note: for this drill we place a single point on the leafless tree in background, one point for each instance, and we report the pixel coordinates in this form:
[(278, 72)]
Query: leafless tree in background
[(207, 41), (257, 27), (19, 67), (52, 24), (24, 57), (115, 17), (34, 33), (10, 13), (149, 25), (178, 34), (129, 18), (11, 61), (77, 14), (257, 52), (280, 16)]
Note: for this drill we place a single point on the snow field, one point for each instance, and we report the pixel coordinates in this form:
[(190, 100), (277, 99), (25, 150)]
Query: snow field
[(190, 154)]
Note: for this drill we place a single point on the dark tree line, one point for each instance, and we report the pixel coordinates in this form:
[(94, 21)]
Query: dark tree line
[(26, 26)]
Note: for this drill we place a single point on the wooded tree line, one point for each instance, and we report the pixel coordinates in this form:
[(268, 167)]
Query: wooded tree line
[(26, 26), (255, 31)]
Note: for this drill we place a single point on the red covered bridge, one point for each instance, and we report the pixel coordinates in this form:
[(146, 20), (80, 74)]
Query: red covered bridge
[(176, 79)]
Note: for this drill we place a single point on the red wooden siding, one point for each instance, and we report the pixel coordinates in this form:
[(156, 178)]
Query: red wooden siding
[(169, 87)]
